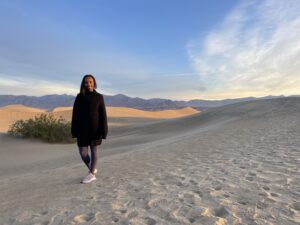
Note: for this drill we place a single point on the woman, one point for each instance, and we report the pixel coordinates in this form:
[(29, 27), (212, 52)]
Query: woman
[(89, 123)]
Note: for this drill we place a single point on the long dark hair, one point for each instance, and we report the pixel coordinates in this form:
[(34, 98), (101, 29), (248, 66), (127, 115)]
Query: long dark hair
[(82, 87)]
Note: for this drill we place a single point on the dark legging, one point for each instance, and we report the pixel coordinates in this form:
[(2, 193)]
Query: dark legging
[(86, 158)]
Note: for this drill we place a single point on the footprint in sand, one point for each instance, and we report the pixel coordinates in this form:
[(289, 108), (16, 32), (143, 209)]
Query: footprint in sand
[(187, 215), (91, 197), (220, 211), (266, 188), (58, 218), (261, 205), (114, 218), (143, 220), (226, 195), (83, 218), (266, 181), (218, 188), (191, 199), (172, 180), (44, 213), (243, 201), (274, 194), (262, 194), (131, 214), (156, 181), (249, 178), (193, 182), (296, 206), (118, 206), (161, 203), (161, 207), (198, 193), (234, 161), (167, 180), (182, 178), (252, 174)]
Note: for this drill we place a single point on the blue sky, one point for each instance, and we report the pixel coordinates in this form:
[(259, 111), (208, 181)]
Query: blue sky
[(171, 49)]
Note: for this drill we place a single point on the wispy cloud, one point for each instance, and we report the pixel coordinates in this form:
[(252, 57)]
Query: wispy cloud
[(34, 87), (254, 51)]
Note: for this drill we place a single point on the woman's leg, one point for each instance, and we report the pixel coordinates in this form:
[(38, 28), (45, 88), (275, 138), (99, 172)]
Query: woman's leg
[(94, 154), (84, 153)]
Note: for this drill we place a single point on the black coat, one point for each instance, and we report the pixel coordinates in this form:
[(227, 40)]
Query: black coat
[(89, 116)]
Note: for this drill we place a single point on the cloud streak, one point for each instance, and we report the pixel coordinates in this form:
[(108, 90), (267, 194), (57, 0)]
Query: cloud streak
[(33, 87), (254, 51)]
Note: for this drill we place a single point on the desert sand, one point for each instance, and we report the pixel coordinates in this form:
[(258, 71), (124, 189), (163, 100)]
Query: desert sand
[(235, 164), (118, 116)]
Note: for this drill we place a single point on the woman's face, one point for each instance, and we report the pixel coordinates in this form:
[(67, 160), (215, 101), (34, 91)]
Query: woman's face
[(89, 83)]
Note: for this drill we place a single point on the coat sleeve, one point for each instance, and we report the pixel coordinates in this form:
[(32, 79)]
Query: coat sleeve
[(75, 118), (103, 120)]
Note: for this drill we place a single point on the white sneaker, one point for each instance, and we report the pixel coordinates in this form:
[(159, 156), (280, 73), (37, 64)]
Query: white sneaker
[(89, 178)]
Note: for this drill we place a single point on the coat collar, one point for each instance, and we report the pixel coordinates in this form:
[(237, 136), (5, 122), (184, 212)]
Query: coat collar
[(89, 93)]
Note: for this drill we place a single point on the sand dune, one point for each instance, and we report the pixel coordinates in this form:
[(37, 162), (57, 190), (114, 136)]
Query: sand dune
[(125, 116), (131, 112), (61, 109), (117, 116), (236, 164), (9, 114), (163, 114), (21, 108)]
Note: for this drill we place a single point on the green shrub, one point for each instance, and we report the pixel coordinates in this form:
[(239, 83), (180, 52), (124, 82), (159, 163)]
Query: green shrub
[(44, 127)]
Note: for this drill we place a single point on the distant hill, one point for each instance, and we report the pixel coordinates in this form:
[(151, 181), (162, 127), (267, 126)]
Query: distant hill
[(49, 102)]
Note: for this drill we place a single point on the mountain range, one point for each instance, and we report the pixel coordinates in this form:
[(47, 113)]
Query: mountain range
[(49, 102)]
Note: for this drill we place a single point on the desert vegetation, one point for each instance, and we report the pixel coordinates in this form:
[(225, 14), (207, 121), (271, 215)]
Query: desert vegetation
[(44, 127)]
